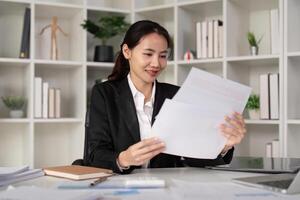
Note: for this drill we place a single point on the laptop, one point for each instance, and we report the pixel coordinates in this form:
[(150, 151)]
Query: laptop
[(261, 165), (283, 183)]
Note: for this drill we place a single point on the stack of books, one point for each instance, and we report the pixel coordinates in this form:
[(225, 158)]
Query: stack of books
[(9, 175)]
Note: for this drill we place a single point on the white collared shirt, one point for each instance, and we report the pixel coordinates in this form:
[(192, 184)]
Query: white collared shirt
[(144, 111)]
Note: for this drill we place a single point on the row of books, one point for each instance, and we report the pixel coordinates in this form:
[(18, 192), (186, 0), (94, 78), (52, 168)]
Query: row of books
[(47, 101), (209, 37), (269, 96), (272, 149)]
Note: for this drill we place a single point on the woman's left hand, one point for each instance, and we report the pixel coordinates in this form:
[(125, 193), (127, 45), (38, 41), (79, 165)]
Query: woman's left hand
[(234, 130)]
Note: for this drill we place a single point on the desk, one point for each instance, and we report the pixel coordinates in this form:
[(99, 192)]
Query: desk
[(190, 175)]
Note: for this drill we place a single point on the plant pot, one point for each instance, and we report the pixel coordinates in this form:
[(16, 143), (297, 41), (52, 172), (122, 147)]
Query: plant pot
[(16, 113), (104, 53), (254, 114), (253, 50)]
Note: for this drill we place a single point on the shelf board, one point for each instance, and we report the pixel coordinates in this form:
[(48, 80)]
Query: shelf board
[(58, 62), (200, 61), (255, 60), (64, 5), (17, 1), (293, 121), (100, 65), (106, 9), (154, 8), (14, 60), (246, 58), (293, 54), (192, 2), (18, 121), (262, 122), (59, 120)]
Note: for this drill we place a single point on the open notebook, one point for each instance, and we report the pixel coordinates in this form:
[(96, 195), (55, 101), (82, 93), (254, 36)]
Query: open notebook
[(76, 172)]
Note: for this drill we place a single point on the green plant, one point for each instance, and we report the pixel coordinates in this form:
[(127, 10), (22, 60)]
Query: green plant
[(14, 102), (107, 27), (252, 39), (253, 102)]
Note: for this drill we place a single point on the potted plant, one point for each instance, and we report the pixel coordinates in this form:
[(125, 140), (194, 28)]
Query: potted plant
[(106, 28), (253, 42), (253, 106), (15, 104)]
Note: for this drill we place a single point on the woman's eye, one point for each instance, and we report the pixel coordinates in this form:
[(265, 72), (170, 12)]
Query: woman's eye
[(163, 56), (148, 54)]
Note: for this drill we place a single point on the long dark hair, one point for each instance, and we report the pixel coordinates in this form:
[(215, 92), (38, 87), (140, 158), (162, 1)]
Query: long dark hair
[(132, 38)]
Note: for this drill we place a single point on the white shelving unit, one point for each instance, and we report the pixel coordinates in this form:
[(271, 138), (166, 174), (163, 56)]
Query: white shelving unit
[(49, 142)]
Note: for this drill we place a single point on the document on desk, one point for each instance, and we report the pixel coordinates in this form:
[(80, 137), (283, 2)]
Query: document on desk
[(188, 123), (38, 193)]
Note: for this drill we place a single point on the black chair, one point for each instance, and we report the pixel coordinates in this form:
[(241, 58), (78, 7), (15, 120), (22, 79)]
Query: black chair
[(84, 161)]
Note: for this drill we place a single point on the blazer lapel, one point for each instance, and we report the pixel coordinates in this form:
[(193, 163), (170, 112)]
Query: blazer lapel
[(127, 109), (158, 101)]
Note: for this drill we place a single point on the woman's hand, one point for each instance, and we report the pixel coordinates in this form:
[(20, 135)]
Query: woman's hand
[(234, 130), (141, 152)]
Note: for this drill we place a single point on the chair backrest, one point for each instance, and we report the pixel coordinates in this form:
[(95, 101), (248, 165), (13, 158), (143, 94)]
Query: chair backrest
[(87, 124)]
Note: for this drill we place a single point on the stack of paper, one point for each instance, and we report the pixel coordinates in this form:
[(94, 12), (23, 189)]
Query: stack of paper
[(9, 175), (188, 123)]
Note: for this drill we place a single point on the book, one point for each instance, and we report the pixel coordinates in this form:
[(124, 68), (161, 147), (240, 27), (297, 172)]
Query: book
[(221, 39), (217, 39), (76, 172), (204, 39), (37, 97), (275, 39), (274, 96), (57, 103), (51, 103), (269, 150), (198, 39), (264, 96), (210, 39), (25, 41), (45, 99), (275, 149)]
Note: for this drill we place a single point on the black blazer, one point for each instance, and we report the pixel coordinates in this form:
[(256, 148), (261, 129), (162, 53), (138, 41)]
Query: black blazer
[(113, 127)]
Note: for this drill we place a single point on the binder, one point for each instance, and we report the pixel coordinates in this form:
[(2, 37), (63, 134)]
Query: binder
[(25, 42)]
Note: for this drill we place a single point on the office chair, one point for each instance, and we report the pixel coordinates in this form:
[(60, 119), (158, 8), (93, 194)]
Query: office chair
[(84, 161)]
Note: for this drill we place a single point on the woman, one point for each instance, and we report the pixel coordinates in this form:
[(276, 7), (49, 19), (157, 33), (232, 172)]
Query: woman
[(123, 109)]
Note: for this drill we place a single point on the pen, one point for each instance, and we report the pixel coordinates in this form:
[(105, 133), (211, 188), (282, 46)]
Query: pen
[(99, 180)]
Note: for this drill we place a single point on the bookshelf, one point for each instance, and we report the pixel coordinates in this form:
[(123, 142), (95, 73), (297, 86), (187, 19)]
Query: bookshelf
[(49, 142)]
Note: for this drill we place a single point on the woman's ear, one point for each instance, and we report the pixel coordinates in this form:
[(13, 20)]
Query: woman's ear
[(126, 51)]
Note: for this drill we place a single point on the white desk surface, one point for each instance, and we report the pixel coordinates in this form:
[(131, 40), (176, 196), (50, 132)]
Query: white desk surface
[(190, 175)]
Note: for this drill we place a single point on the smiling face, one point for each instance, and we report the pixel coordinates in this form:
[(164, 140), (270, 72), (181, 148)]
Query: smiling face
[(147, 59)]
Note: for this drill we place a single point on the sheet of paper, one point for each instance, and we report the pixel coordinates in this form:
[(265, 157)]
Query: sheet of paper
[(38, 193), (188, 123), (9, 171), (199, 80), (225, 191), (186, 132)]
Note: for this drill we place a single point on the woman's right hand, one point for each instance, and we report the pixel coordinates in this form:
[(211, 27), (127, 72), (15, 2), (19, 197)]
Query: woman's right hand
[(141, 152)]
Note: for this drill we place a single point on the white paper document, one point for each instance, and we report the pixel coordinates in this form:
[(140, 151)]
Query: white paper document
[(189, 123)]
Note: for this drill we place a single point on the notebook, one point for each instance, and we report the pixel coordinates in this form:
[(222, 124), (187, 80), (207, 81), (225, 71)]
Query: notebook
[(76, 172)]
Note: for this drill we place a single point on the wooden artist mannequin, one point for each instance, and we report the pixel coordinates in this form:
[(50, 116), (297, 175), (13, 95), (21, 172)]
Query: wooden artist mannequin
[(54, 27)]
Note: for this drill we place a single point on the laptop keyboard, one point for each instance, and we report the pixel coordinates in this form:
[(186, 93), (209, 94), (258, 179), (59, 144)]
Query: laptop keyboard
[(283, 184)]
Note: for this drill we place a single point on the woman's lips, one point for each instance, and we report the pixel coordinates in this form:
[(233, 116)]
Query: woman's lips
[(152, 72)]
